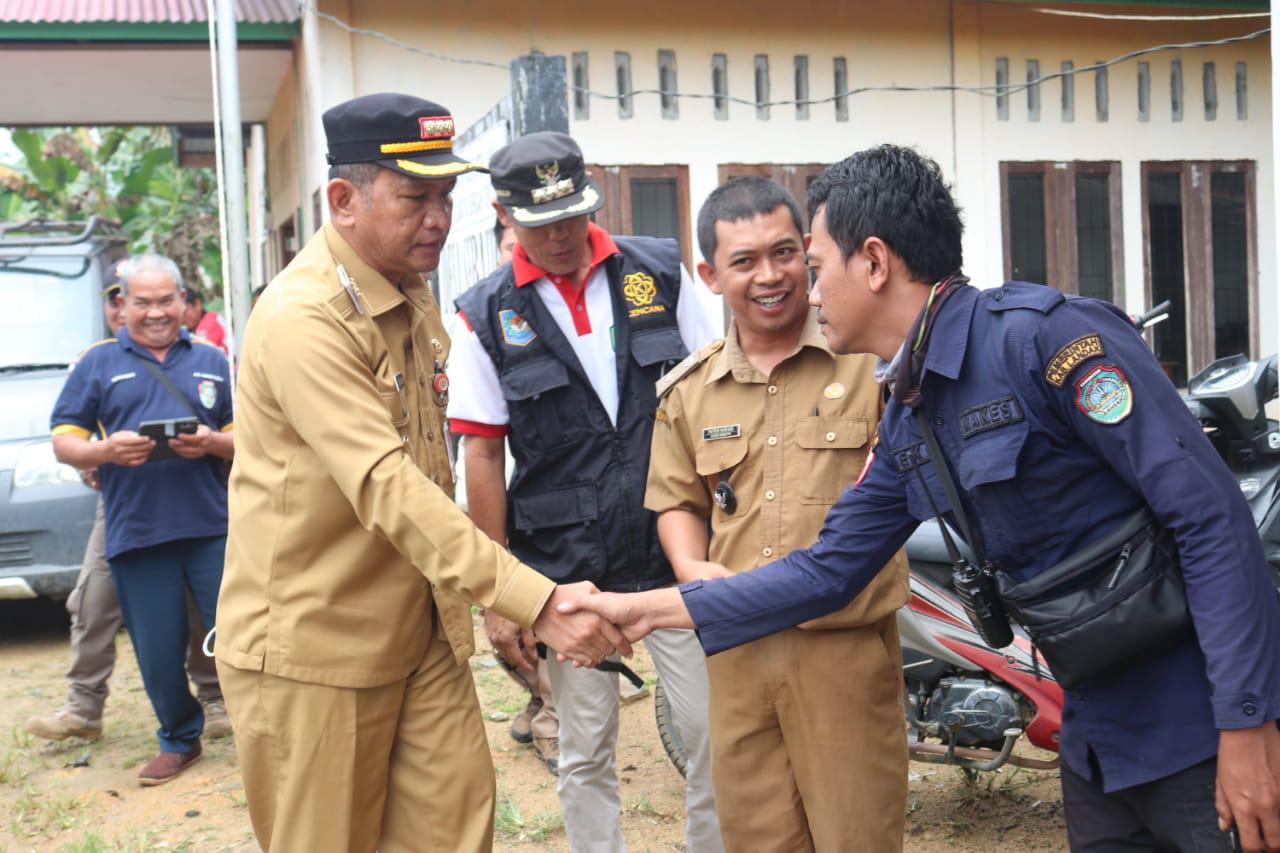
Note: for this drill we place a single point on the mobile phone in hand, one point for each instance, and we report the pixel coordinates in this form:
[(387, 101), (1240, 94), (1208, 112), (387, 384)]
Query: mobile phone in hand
[(161, 431)]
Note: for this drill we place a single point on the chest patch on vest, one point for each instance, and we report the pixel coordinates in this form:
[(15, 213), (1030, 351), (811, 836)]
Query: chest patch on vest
[(1104, 394), (516, 330), (639, 289), (1072, 356), (989, 416), (717, 432)]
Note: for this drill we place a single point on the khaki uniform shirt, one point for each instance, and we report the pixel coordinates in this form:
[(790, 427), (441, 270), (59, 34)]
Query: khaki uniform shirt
[(791, 443), (343, 533)]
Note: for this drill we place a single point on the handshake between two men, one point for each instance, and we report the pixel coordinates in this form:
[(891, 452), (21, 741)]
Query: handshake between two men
[(585, 625)]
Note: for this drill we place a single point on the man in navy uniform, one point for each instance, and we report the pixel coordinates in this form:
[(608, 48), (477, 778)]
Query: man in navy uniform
[(1092, 429), (166, 519)]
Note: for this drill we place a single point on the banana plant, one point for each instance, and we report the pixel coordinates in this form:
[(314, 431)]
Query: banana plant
[(128, 175)]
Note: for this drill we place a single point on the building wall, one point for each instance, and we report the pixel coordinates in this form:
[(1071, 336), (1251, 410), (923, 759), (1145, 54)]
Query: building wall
[(907, 43), (1020, 34)]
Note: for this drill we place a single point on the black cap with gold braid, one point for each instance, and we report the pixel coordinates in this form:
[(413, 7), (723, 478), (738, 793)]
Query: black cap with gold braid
[(400, 132)]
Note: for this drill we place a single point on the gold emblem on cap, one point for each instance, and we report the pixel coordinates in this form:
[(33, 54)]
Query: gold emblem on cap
[(551, 188), (834, 391), (435, 127)]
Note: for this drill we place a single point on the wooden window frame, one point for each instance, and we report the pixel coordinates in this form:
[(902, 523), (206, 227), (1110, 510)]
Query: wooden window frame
[(793, 176), (615, 216), (1060, 242), (1197, 248)]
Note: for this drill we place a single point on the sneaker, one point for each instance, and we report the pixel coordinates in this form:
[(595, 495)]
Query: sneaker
[(216, 722), (64, 724), (166, 766), (522, 725), (628, 692), (548, 751)]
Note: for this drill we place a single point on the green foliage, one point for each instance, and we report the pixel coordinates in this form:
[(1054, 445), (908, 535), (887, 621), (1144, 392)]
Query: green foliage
[(128, 175)]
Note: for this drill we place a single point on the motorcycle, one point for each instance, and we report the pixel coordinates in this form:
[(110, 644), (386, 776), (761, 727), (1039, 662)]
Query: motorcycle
[(967, 704)]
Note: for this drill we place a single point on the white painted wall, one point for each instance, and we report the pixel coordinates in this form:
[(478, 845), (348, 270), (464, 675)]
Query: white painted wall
[(911, 42)]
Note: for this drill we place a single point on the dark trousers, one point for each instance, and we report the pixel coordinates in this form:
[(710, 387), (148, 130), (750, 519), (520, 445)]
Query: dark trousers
[(152, 584), (1175, 814)]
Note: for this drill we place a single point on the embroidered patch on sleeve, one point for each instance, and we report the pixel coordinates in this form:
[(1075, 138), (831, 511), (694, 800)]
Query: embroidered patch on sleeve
[(1072, 356), (1104, 394), (992, 415)]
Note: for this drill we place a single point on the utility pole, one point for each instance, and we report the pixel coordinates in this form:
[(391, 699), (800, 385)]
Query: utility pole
[(1274, 38), (539, 94), (235, 279)]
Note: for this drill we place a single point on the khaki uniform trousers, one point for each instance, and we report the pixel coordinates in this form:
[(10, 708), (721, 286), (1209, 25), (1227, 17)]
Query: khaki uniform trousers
[(401, 767), (545, 722), (95, 622), (808, 743)]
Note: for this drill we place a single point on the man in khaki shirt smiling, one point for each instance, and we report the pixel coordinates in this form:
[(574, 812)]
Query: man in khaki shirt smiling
[(343, 624), (758, 434)]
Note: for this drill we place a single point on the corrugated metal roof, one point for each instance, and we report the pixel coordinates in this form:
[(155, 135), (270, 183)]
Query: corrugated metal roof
[(140, 11)]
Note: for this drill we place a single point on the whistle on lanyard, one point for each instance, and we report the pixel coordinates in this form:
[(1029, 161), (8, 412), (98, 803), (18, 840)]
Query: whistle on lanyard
[(350, 287), (724, 496)]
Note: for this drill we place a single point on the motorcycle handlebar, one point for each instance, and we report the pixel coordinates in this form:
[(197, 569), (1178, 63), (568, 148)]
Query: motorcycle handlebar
[(1156, 315)]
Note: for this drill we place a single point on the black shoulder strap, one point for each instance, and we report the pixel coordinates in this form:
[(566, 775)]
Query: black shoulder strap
[(155, 370), (943, 471)]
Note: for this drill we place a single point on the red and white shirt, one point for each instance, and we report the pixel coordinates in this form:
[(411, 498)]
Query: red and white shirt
[(584, 316), (210, 329)]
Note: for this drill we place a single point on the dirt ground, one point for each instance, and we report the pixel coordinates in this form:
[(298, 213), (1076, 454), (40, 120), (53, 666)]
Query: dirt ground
[(82, 797)]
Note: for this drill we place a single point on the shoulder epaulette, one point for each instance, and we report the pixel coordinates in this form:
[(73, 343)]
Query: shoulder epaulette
[(95, 345), (684, 368)]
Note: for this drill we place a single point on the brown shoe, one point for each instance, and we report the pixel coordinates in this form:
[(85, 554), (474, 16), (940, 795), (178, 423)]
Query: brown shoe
[(548, 750), (522, 725), (216, 722), (166, 766), (63, 724)]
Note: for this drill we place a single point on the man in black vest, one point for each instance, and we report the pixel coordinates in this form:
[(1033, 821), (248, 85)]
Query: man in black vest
[(559, 354)]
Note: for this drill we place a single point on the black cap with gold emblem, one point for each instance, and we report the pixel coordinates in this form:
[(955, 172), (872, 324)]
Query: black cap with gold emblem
[(400, 132), (541, 179)]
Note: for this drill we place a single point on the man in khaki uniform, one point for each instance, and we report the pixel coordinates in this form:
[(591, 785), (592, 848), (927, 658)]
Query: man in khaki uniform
[(344, 627), (758, 434)]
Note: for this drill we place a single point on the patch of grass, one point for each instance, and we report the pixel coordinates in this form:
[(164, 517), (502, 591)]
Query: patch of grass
[(543, 826), (21, 738), (512, 705), (641, 805), (508, 819), (48, 814), (91, 843), (13, 769), (134, 759)]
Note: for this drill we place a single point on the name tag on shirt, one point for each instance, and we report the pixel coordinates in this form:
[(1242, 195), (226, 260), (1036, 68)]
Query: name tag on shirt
[(120, 377), (718, 432)]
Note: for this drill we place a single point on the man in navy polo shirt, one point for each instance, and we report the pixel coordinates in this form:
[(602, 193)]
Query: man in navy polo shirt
[(166, 519)]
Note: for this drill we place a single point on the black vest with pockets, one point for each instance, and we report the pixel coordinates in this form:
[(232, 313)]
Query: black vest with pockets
[(575, 506)]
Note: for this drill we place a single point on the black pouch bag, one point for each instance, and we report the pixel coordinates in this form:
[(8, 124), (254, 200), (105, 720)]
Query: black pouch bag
[(1116, 603)]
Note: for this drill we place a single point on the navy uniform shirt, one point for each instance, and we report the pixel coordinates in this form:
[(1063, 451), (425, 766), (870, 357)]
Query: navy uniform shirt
[(109, 390), (1058, 423)]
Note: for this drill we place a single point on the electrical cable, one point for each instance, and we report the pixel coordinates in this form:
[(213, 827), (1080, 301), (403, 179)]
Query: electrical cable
[(985, 91), (1114, 16)]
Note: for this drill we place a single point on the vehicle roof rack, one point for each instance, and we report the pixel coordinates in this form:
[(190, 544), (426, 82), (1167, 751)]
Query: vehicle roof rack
[(48, 232)]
